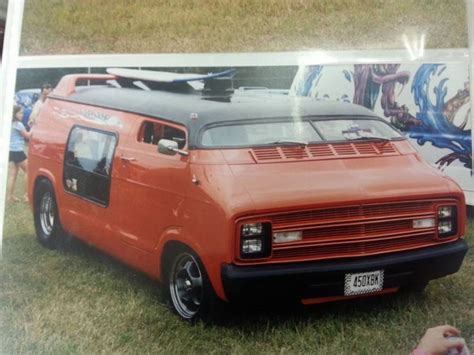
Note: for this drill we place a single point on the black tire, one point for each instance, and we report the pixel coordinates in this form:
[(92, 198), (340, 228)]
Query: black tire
[(190, 292), (45, 213)]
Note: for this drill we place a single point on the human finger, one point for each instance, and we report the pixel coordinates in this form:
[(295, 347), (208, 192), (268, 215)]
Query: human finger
[(449, 330), (446, 330)]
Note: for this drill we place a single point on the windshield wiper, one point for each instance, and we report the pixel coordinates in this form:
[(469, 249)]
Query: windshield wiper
[(290, 142), (380, 139)]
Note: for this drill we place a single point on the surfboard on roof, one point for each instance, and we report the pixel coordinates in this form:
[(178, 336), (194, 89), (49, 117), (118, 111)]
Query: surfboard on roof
[(166, 77)]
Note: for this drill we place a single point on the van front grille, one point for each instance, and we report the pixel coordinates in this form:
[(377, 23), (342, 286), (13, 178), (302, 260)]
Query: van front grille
[(354, 231), (328, 215), (355, 248)]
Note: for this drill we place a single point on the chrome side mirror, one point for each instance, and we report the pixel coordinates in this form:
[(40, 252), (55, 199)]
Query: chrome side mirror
[(169, 147)]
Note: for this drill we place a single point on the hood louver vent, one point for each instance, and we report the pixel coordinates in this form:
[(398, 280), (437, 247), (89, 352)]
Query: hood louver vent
[(322, 151), (294, 152), (365, 148), (386, 149), (344, 149), (266, 154)]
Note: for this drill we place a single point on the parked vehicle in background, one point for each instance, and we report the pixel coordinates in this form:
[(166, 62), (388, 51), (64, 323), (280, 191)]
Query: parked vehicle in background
[(227, 199)]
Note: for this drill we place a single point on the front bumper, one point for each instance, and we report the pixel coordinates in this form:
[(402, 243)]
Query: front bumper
[(326, 278)]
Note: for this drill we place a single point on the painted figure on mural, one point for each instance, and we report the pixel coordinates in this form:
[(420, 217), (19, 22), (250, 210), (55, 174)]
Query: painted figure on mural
[(438, 125)]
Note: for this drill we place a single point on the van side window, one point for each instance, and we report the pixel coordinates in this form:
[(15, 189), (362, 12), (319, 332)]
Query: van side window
[(174, 134), (88, 162), (151, 133)]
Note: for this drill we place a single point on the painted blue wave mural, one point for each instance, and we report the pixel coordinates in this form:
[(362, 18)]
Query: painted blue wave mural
[(436, 118)]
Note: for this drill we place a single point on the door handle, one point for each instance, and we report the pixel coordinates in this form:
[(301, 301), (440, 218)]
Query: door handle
[(124, 158)]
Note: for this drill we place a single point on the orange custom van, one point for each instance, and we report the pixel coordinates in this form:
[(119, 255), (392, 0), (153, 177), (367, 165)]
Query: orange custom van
[(225, 198)]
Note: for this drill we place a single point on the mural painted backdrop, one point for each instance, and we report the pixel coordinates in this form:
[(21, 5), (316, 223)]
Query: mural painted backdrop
[(430, 103)]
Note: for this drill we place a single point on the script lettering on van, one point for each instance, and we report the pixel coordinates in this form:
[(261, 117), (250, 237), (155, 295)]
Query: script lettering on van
[(87, 115)]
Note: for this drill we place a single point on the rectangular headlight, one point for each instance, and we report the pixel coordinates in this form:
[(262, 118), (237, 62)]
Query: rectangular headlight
[(447, 221), (445, 211), (251, 246), (423, 223), (283, 237), (445, 227), (251, 229), (255, 240)]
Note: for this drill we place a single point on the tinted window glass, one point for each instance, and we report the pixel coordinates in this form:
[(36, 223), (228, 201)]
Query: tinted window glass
[(176, 135), (88, 163), (151, 133), (91, 150)]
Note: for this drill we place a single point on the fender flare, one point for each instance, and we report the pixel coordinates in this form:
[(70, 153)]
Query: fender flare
[(176, 235)]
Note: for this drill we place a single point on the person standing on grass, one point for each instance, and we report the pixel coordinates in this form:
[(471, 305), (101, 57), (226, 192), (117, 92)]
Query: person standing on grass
[(45, 91), (17, 156)]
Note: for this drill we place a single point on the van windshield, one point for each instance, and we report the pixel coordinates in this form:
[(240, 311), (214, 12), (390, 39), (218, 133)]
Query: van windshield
[(297, 132), (249, 134)]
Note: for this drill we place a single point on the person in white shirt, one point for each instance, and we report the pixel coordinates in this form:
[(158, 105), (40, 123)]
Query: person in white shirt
[(45, 91)]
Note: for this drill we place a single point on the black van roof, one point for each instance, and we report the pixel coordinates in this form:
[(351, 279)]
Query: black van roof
[(195, 111)]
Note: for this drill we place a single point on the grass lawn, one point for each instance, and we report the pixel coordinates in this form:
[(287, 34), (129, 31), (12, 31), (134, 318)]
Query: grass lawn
[(192, 26), (78, 300)]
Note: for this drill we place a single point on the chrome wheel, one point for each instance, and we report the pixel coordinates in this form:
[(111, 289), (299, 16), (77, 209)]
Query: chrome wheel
[(47, 213), (186, 285)]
